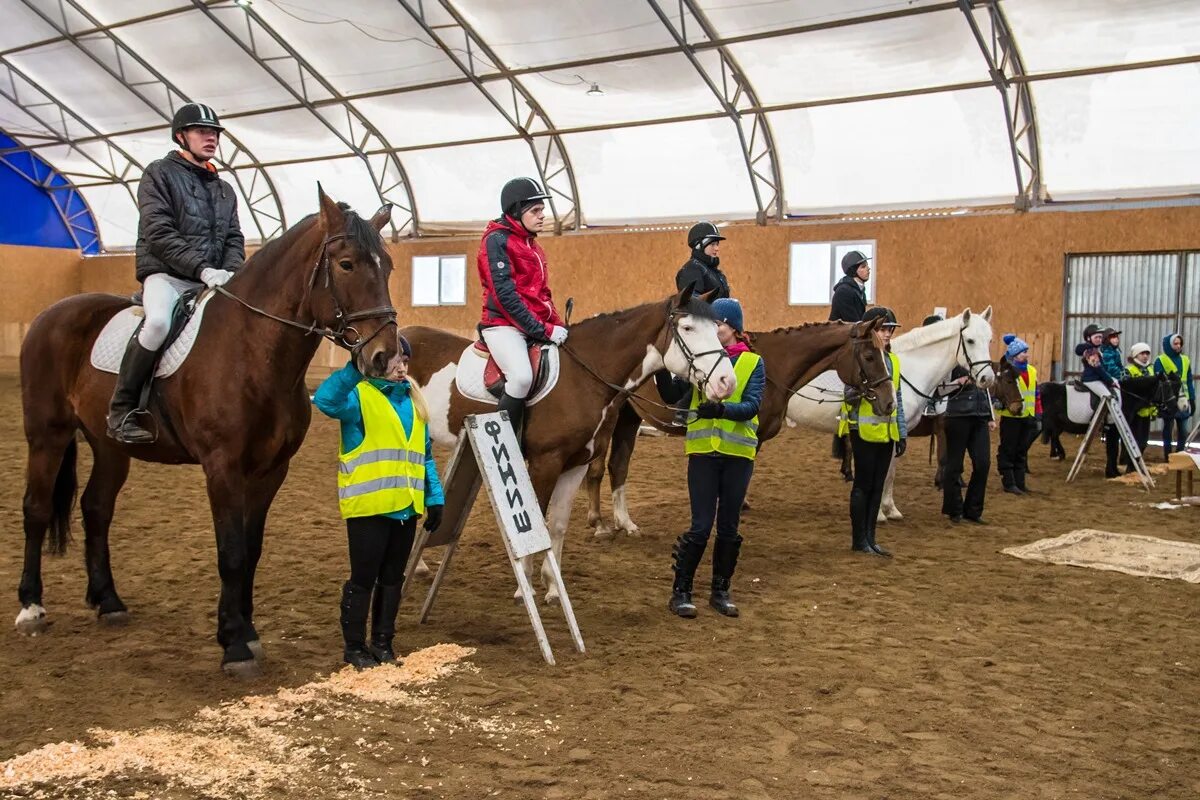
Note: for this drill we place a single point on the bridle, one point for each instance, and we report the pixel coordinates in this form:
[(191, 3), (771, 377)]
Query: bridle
[(342, 333), (962, 350), (688, 355), (865, 387)]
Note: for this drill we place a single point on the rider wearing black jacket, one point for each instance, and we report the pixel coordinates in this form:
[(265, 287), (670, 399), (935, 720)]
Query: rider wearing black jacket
[(702, 271), (849, 294)]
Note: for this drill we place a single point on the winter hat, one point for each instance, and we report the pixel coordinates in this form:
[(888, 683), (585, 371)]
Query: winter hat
[(1015, 345), (1137, 349), (729, 311)]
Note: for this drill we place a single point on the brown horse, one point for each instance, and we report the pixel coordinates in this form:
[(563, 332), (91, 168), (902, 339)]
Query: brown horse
[(792, 357), (606, 358), (237, 406)]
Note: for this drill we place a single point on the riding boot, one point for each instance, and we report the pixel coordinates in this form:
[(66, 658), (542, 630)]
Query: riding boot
[(1008, 477), (122, 411), (858, 518), (356, 602), (1112, 448), (515, 406), (385, 604), (725, 558), (687, 553), (1019, 481), (872, 521)]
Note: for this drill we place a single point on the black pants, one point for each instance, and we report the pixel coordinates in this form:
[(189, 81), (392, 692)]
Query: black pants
[(717, 487), (1017, 435), (379, 548), (966, 435), (1179, 426), (871, 462), (1141, 434)]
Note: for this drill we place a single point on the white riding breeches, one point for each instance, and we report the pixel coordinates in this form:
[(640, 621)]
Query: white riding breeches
[(160, 293), (510, 348), (1099, 389)]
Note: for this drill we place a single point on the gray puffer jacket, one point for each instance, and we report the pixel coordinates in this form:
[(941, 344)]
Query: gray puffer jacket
[(188, 221)]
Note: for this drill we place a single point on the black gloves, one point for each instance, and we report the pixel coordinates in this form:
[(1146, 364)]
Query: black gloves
[(901, 446), (710, 410), (433, 518)]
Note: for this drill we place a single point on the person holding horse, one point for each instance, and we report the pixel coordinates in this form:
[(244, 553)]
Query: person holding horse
[(722, 442), (517, 305), (702, 271), (1018, 431), (387, 479), (969, 423), (1173, 361), (875, 441), (1139, 367), (188, 237)]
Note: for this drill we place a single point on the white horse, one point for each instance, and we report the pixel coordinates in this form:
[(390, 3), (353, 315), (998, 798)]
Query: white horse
[(927, 355)]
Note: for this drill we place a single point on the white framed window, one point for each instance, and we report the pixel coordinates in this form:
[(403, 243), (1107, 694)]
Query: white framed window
[(439, 280), (814, 267)]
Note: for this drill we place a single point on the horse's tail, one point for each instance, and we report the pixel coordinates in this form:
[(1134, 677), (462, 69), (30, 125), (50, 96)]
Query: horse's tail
[(62, 501)]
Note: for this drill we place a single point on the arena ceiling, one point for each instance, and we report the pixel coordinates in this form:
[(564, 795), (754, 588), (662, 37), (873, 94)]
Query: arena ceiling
[(632, 111)]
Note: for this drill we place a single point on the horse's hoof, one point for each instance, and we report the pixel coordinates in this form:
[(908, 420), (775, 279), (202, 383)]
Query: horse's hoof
[(114, 619), (422, 569), (629, 528), (895, 514), (256, 649), (881, 518), (602, 531), (242, 669), (552, 600), (32, 621)]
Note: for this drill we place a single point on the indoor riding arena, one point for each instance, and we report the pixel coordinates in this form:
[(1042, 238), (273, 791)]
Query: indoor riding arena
[(900, 297)]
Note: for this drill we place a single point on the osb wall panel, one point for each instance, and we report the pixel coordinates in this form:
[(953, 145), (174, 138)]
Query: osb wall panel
[(32, 279)]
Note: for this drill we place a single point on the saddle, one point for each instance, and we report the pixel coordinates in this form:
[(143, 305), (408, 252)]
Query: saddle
[(494, 380), (109, 347)]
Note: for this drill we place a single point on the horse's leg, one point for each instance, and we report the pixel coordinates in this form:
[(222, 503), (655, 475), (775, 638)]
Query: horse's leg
[(887, 508), (624, 439), (110, 468), (227, 496), (595, 479), (258, 502), (49, 494), (558, 516)]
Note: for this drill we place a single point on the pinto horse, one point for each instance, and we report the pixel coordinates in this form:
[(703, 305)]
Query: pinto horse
[(237, 406), (792, 357), (604, 361)]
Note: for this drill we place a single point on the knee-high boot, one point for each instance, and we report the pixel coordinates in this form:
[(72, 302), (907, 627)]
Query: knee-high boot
[(385, 604), (687, 552), (356, 602), (515, 406), (135, 371), (725, 558)]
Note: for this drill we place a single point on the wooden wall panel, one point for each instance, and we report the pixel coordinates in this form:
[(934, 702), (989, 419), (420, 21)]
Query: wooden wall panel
[(32, 279)]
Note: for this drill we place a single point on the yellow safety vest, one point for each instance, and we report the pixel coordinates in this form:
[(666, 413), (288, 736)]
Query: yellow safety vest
[(1142, 372), (726, 436), (870, 427), (386, 473), (1168, 366), (1028, 394)]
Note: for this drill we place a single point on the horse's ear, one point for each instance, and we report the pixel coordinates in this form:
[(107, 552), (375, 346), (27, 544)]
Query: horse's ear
[(685, 297), (332, 217), (987, 314), (966, 316), (382, 217), (707, 296)]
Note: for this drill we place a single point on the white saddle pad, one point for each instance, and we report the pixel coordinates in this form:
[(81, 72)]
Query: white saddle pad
[(1079, 405), (469, 376), (110, 345)]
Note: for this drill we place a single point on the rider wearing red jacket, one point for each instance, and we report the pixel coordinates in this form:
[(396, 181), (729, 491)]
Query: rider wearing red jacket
[(517, 306)]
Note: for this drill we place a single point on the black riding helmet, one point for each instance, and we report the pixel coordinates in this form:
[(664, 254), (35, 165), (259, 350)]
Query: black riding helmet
[(852, 261), (889, 318), (194, 115), (702, 234), (519, 193), (1090, 331)]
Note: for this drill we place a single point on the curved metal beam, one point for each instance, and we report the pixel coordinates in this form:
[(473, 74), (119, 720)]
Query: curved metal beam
[(355, 131), (526, 115), (1007, 71), (265, 206), (738, 98)]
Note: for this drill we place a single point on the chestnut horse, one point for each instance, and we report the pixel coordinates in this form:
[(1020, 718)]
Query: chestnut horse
[(792, 357), (606, 358), (237, 406)]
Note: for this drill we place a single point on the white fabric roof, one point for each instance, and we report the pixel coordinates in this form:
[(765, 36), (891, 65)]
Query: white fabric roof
[(868, 103)]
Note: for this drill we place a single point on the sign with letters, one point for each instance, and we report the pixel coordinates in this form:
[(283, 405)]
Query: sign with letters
[(499, 466)]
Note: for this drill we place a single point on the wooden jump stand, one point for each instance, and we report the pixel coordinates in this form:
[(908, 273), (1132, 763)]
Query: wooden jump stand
[(1108, 407)]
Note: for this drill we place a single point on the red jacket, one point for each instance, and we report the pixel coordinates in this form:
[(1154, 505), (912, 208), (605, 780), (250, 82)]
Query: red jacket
[(514, 276)]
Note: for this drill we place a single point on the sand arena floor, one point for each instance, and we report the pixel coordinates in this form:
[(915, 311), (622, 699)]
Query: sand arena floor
[(952, 671)]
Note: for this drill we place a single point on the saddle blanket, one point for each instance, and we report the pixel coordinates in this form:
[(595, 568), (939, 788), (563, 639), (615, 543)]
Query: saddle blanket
[(110, 345), (1079, 403), (470, 381)]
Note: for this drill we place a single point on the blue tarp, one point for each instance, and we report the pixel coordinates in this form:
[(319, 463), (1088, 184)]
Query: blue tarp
[(29, 214)]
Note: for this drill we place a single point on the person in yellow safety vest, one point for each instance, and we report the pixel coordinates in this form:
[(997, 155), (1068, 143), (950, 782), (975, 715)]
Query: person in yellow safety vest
[(1140, 367), (874, 440), (1018, 432), (722, 441), (387, 479), (1172, 360)]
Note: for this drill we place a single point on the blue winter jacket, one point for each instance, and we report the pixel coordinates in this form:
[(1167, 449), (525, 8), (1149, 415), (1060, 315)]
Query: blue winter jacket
[(336, 398), (1114, 365)]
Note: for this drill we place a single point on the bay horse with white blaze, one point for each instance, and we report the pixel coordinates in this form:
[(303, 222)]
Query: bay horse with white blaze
[(606, 359), (792, 357), (237, 406)]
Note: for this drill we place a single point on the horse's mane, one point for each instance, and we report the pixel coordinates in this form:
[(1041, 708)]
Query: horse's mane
[(801, 326), (358, 230), (697, 308), (927, 334)]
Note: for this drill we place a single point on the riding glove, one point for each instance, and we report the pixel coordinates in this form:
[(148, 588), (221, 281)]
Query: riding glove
[(558, 335), (433, 518), (710, 410), (901, 446), (215, 277)]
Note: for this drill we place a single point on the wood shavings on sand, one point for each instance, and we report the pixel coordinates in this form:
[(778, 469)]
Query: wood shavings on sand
[(248, 748)]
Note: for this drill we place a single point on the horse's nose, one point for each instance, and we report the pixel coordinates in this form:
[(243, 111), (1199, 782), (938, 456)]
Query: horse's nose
[(379, 361)]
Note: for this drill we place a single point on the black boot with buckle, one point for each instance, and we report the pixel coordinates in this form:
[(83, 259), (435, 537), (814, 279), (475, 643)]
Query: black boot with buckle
[(384, 607), (356, 602), (136, 367), (725, 558), (515, 406), (688, 553)]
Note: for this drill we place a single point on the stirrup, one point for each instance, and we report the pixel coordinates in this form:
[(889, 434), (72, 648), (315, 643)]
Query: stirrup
[(139, 434)]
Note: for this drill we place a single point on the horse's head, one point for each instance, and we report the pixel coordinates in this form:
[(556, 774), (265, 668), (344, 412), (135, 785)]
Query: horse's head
[(350, 284), (861, 363), (975, 345), (690, 347), (1008, 390), (1169, 395)]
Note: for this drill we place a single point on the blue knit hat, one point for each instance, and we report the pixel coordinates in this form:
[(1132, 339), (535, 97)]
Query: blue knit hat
[(1015, 346), (729, 311)]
